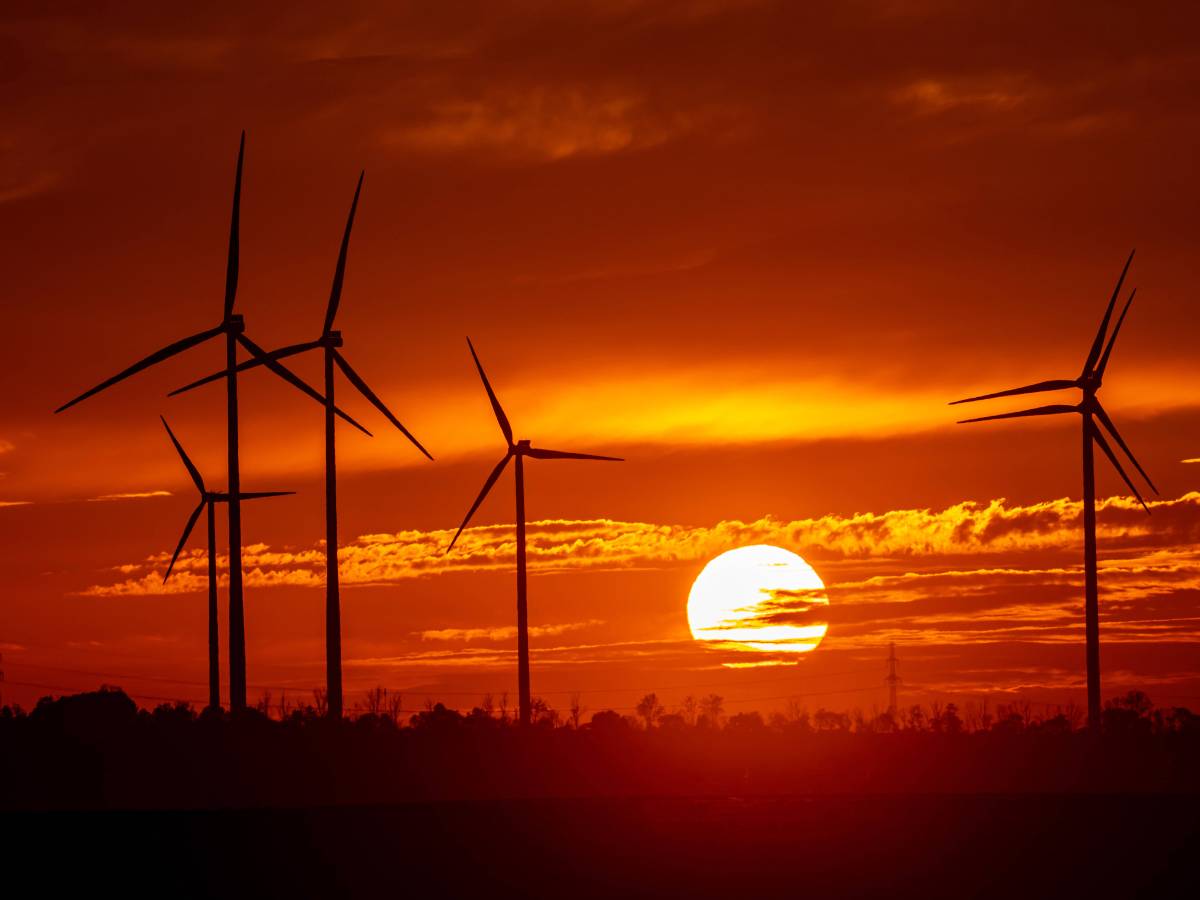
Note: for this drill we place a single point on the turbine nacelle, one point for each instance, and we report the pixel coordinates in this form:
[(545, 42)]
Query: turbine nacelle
[(521, 448), (207, 497), (232, 325), (1089, 382), (330, 340)]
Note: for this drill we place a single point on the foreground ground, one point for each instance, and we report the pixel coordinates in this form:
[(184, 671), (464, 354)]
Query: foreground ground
[(896, 846)]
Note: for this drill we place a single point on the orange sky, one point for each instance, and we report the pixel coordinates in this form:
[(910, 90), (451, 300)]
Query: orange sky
[(752, 247)]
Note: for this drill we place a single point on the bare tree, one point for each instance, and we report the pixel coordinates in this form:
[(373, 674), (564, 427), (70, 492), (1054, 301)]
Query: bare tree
[(375, 700), (985, 715), (915, 720), (488, 705), (650, 709), (796, 713), (283, 705), (1026, 713), (264, 704), (577, 710), (540, 711), (935, 715), (504, 707), (395, 706), (713, 708), (688, 709), (320, 701), (1074, 715)]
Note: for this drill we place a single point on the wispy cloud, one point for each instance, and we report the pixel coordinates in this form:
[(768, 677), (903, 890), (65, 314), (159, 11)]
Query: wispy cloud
[(930, 96), (502, 633), (963, 530), (130, 495), (29, 187), (547, 123), (15, 503)]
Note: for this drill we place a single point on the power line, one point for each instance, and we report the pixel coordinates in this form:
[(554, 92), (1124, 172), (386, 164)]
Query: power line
[(475, 692), (67, 690)]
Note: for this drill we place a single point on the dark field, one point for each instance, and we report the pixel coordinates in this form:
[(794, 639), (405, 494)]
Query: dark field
[(910, 845), (100, 798)]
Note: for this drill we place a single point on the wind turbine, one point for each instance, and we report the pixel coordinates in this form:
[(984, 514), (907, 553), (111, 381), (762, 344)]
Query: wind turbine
[(517, 450), (329, 342), (1095, 422), (208, 499), (232, 327)]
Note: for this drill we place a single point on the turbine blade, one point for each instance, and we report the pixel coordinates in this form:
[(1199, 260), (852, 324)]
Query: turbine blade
[(1038, 411), (192, 470), (1112, 429), (231, 270), (253, 363), (1098, 343), (538, 453), (1055, 385), (165, 353), (187, 531), (1112, 458), (496, 408), (1103, 364), (357, 381), (487, 486), (259, 495), (339, 274), (293, 379)]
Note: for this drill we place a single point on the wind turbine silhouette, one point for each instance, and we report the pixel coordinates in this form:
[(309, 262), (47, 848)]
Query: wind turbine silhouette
[(329, 341), (233, 328), (1091, 412), (208, 499), (517, 450)]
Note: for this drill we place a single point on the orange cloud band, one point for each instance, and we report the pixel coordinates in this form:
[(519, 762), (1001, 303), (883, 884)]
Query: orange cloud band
[(965, 529)]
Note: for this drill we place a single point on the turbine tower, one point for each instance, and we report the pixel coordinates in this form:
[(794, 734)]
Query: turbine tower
[(517, 450), (329, 342), (208, 499), (1095, 421), (232, 327)]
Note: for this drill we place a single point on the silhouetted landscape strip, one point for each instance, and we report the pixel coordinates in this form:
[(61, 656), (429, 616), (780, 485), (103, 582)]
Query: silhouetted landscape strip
[(97, 750)]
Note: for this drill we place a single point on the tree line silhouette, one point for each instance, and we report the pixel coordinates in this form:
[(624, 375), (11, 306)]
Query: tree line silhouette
[(100, 750)]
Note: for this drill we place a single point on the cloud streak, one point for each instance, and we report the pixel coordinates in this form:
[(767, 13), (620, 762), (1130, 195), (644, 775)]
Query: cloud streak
[(129, 495), (503, 633), (967, 529)]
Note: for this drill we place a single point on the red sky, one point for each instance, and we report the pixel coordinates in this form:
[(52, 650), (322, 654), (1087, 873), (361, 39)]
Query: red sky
[(752, 247)]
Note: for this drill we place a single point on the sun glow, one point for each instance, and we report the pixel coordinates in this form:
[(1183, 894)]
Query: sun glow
[(759, 598)]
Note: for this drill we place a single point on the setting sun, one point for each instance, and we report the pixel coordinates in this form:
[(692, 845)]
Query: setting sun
[(758, 598)]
